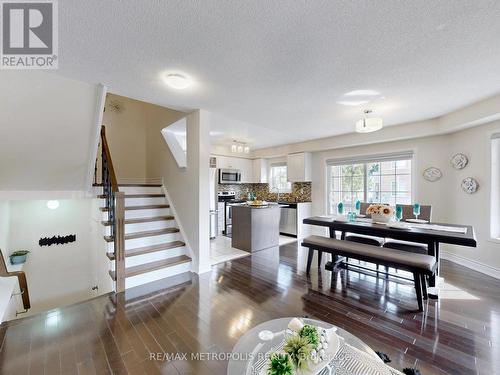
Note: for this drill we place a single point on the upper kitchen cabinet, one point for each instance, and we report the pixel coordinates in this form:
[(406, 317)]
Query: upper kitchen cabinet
[(244, 165), (299, 167), (260, 171)]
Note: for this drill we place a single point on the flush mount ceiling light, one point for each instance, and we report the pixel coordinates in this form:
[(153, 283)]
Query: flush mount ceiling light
[(177, 81), (353, 102), (358, 97), (52, 205), (365, 92), (239, 147), (368, 124)]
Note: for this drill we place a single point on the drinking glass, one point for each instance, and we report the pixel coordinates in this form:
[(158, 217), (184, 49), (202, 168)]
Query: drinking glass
[(358, 207), (340, 208), (399, 212), (416, 210)]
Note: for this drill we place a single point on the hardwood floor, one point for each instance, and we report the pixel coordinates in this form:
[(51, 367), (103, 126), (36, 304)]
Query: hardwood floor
[(457, 334)]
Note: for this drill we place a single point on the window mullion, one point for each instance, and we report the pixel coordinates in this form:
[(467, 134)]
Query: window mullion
[(365, 183)]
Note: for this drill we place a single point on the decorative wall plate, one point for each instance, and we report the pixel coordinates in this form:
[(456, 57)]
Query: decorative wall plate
[(470, 185), (459, 161), (432, 174)]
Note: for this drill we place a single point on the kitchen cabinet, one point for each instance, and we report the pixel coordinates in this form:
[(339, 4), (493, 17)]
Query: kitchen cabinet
[(299, 167), (243, 164), (259, 171)]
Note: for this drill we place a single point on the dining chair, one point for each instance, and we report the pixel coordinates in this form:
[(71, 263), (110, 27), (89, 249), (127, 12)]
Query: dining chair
[(413, 247), (369, 240)]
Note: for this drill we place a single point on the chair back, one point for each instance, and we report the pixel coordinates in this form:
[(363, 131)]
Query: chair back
[(425, 212), (364, 207)]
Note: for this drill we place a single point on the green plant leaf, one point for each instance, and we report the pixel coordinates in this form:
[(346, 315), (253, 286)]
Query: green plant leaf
[(280, 364), (299, 349)]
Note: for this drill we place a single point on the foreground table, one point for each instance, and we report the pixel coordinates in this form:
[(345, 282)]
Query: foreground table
[(432, 238), (249, 341)]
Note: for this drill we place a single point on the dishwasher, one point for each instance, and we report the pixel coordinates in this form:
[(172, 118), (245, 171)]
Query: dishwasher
[(288, 220)]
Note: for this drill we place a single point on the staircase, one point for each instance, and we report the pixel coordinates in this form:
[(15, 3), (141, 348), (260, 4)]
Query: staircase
[(154, 247), (143, 241)]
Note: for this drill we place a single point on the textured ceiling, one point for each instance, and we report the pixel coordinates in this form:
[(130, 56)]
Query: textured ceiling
[(281, 66)]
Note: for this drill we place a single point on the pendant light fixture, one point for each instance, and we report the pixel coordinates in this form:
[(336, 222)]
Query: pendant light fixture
[(368, 124), (239, 147)]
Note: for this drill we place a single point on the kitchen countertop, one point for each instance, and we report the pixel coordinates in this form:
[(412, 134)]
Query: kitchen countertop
[(271, 205)]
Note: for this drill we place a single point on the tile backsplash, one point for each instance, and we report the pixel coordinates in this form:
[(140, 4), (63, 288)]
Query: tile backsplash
[(301, 191)]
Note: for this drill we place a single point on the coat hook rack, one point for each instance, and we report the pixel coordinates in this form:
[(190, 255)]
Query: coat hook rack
[(57, 240)]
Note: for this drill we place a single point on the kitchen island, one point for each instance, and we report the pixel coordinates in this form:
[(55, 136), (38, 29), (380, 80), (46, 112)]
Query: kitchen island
[(256, 227)]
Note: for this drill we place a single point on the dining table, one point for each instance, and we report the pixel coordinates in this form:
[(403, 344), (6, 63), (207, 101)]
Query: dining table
[(431, 234)]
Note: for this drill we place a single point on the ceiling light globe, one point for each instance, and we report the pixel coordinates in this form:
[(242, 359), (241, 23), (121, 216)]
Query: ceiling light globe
[(53, 204), (369, 125), (177, 81), (240, 149)]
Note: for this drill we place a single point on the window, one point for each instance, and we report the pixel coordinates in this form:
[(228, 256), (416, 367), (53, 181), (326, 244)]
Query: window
[(279, 177), (495, 187), (382, 179)]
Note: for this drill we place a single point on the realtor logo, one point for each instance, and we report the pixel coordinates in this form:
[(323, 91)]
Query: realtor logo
[(29, 34)]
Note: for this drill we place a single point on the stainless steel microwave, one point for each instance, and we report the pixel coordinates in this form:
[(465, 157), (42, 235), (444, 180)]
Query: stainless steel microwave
[(229, 176)]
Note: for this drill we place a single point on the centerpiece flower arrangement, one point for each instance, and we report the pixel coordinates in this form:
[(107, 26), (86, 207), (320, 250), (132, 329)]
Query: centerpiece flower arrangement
[(380, 212), (306, 345)]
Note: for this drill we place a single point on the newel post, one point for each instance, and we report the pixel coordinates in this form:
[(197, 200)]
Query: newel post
[(120, 240)]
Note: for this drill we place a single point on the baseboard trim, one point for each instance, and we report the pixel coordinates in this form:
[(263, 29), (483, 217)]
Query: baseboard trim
[(472, 264)]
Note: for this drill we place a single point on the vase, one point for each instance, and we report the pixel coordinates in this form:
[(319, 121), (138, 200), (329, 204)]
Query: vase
[(377, 218)]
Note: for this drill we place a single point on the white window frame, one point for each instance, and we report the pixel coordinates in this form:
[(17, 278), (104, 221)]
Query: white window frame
[(288, 187), (405, 155), (495, 187)]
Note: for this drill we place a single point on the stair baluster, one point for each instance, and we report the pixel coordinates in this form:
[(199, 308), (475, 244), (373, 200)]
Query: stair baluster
[(115, 204)]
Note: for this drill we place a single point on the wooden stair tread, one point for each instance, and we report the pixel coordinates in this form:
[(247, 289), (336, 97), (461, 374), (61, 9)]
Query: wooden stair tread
[(143, 220), (153, 266), (140, 185), (146, 207), (102, 196), (146, 233), (149, 249)]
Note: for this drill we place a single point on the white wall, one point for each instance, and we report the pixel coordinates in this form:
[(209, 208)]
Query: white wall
[(57, 275), (475, 208), (126, 135), (5, 229), (47, 127)]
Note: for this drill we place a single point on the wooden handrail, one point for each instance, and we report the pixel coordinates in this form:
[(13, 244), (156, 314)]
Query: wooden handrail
[(111, 169), (21, 278)]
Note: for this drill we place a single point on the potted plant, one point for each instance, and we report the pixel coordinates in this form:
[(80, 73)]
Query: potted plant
[(18, 257)]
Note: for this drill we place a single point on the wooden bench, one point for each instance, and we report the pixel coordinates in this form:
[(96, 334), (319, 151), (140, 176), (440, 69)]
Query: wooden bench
[(420, 265)]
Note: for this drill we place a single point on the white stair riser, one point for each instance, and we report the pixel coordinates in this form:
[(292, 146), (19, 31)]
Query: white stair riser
[(134, 214), (148, 241), (145, 278), (141, 189), (144, 201), (150, 225), (153, 257), (154, 240)]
